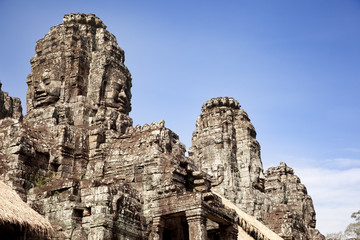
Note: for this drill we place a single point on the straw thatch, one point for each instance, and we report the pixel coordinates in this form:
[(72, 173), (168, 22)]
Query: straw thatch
[(14, 211), (249, 225)]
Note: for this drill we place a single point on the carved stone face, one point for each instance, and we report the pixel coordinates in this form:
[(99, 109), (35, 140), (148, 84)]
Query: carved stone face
[(46, 89), (310, 216), (118, 94), (258, 180)]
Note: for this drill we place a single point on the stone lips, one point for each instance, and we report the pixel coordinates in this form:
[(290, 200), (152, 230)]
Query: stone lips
[(77, 159)]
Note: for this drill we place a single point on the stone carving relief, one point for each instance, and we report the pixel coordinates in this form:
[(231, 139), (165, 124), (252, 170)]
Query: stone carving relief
[(77, 159)]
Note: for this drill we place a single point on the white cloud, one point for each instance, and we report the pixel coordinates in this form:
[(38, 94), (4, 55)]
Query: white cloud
[(343, 163)]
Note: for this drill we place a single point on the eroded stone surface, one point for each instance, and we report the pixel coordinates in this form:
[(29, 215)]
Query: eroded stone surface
[(292, 212), (77, 159), (9, 106), (78, 76), (224, 145)]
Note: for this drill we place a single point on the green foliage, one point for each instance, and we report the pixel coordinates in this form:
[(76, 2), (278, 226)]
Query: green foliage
[(356, 215), (335, 236), (42, 180), (352, 230)]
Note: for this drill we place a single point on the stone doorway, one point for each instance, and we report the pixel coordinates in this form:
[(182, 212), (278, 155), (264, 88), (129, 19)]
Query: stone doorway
[(176, 228)]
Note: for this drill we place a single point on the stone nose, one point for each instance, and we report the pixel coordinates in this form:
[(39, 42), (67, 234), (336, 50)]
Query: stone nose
[(36, 85), (261, 177), (122, 94), (38, 88)]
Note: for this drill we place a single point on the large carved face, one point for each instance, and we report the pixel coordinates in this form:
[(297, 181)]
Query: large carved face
[(310, 216), (258, 179), (118, 93), (46, 88)]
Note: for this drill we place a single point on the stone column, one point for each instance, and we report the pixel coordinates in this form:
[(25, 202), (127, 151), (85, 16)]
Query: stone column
[(228, 232), (196, 220), (157, 228)]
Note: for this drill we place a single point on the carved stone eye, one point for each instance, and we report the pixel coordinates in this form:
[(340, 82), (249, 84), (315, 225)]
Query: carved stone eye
[(117, 87), (46, 81)]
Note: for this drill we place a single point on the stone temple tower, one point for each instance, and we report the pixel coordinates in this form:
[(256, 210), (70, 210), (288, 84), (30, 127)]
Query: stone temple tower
[(78, 75), (224, 145), (76, 158)]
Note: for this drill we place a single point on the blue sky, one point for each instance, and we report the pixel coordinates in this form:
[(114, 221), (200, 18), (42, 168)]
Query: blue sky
[(292, 65)]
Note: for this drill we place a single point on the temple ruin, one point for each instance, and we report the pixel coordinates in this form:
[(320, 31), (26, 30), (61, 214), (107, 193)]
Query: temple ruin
[(77, 159)]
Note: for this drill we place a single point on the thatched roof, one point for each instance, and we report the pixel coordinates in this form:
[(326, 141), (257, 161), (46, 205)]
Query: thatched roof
[(14, 211), (248, 226)]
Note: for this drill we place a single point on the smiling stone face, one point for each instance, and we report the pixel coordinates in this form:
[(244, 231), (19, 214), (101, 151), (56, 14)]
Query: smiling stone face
[(78, 68), (44, 86), (118, 97), (117, 91), (46, 89)]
